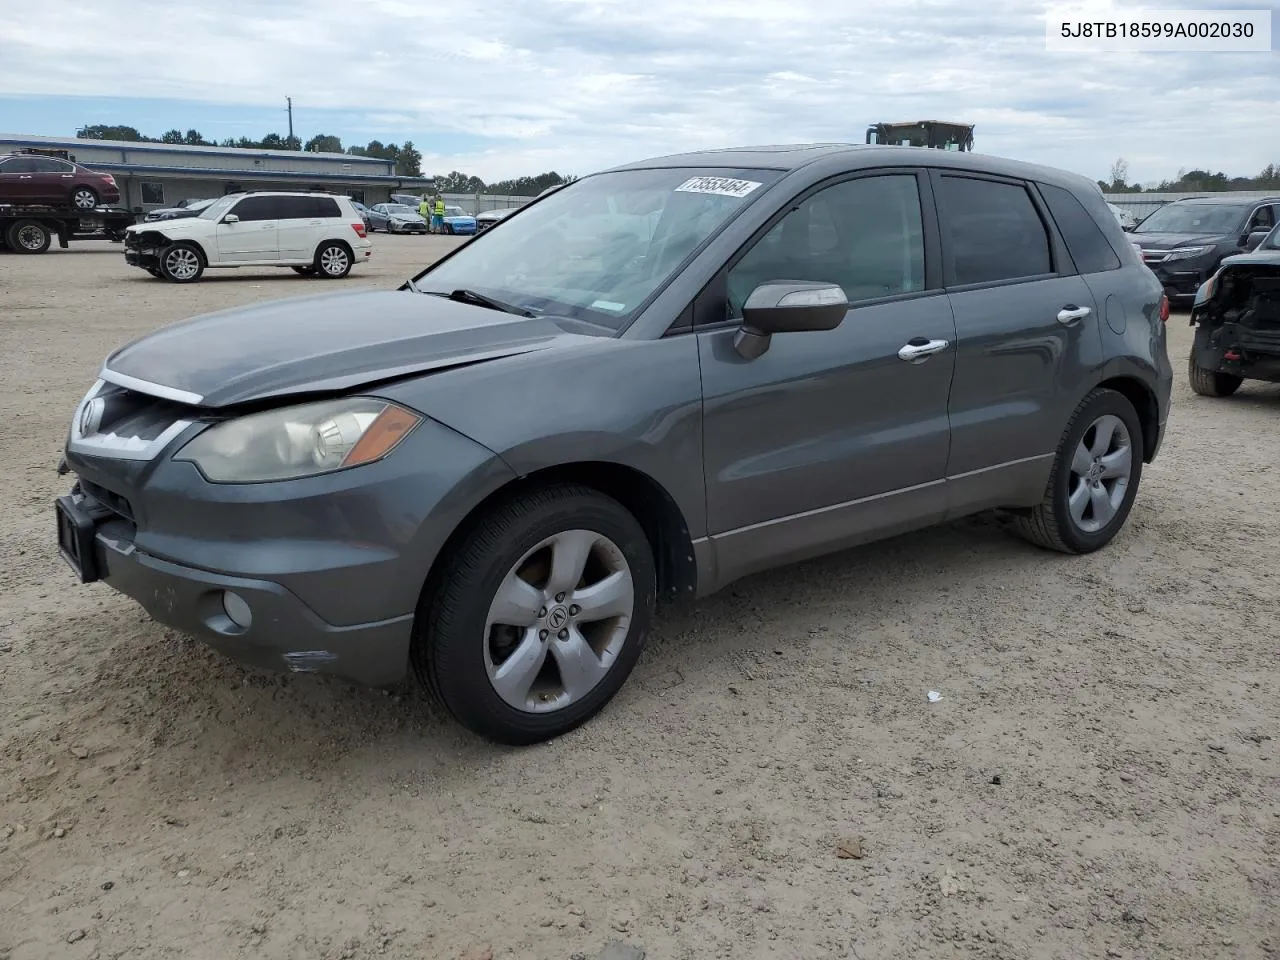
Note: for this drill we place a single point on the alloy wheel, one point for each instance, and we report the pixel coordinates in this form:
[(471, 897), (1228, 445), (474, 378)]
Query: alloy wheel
[(558, 621), (182, 263), (1100, 470), (84, 199), (334, 261)]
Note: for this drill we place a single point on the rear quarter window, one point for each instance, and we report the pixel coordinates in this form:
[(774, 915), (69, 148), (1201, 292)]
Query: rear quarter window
[(326, 207), (1089, 248)]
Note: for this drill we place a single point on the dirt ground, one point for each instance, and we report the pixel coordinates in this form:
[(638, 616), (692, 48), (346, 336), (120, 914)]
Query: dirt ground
[(1100, 778)]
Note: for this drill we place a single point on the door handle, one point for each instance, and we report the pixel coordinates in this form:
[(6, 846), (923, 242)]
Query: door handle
[(1072, 314), (24, 176), (920, 348)]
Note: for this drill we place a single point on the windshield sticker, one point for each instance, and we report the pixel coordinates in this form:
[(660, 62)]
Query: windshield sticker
[(608, 305), (721, 186)]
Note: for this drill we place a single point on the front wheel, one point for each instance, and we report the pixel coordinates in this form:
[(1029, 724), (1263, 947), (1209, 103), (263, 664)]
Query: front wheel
[(1210, 383), (1095, 478), (333, 260), (539, 615), (29, 236), (182, 262)]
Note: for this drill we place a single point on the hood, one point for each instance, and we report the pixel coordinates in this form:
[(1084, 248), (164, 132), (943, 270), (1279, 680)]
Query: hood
[(1167, 241), (169, 224), (1258, 258), (325, 343), (459, 218), (406, 217)]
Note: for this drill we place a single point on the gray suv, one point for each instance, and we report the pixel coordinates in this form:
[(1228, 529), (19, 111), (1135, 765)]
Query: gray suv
[(647, 384)]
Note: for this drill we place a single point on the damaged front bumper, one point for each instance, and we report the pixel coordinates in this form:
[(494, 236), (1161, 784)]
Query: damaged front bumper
[(255, 621), (139, 253)]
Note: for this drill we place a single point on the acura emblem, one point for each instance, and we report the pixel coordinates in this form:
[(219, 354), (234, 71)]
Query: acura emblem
[(91, 416), (558, 617)]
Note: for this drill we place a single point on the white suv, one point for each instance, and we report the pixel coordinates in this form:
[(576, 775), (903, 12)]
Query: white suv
[(317, 234)]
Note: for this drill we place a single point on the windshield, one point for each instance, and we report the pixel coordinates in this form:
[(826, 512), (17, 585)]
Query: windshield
[(1192, 218), (597, 249), (401, 209), (218, 207)]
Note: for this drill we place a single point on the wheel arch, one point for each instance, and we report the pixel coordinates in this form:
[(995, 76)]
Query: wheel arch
[(653, 507), (1145, 405), (315, 254)]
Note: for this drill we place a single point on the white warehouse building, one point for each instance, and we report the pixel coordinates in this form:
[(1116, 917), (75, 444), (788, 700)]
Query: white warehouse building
[(154, 175)]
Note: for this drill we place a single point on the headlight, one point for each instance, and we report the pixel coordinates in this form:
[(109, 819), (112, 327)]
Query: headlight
[(300, 441), (1186, 253)]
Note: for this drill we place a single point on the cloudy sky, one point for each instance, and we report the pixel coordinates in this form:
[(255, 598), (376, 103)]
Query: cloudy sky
[(501, 88)]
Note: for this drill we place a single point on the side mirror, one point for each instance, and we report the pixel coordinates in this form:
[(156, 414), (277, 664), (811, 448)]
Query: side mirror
[(788, 306), (230, 218), (1252, 241)]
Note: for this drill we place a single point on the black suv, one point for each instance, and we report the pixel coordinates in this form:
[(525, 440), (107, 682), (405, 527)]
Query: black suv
[(1184, 241)]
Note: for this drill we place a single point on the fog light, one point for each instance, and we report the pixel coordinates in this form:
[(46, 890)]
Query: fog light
[(236, 609)]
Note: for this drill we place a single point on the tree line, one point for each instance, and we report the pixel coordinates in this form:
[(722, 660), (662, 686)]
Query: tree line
[(1191, 181), (407, 159)]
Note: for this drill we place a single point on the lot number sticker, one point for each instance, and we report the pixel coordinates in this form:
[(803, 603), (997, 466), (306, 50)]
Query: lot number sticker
[(722, 186)]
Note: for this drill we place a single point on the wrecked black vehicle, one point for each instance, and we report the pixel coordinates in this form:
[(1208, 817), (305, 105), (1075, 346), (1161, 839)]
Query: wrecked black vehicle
[(1237, 316)]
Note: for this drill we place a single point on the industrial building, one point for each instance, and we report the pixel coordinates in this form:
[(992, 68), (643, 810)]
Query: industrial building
[(153, 175)]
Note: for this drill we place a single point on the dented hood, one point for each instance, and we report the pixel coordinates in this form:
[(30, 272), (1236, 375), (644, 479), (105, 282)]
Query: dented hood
[(319, 344)]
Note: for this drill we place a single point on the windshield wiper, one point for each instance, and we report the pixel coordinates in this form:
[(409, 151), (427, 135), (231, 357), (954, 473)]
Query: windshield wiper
[(481, 300)]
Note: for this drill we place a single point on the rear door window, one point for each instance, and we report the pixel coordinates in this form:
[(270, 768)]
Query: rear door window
[(1088, 247), (294, 208), (992, 231)]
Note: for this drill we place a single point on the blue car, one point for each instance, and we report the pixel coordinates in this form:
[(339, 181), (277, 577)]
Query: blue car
[(455, 221)]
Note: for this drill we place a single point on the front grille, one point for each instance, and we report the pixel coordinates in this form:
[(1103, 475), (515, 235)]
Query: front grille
[(112, 501)]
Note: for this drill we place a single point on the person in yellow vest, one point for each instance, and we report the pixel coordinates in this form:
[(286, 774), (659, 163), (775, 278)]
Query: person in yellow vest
[(424, 209), (437, 221)]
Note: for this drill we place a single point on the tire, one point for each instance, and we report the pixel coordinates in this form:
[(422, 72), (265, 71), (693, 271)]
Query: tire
[(334, 260), (459, 652), (1052, 523), (28, 236), (305, 271), (182, 262), (84, 198), (1210, 383), (448, 228)]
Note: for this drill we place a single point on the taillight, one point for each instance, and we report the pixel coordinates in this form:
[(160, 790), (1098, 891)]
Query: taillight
[(359, 229), (1164, 308)]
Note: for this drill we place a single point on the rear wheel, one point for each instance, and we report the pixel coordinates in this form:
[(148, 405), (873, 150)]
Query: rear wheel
[(1210, 383), (538, 616), (1095, 478), (28, 236), (333, 260), (182, 262)]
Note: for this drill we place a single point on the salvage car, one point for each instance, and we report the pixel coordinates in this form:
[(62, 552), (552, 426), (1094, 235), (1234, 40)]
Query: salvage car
[(457, 220), (492, 474), (1185, 241), (315, 234), (487, 219), (1237, 321), (396, 218), (29, 178)]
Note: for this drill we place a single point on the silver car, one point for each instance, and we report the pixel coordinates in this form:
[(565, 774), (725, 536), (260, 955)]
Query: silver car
[(396, 218), (652, 382)]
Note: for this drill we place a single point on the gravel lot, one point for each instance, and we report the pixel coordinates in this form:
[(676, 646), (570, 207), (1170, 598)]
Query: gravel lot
[(1100, 778)]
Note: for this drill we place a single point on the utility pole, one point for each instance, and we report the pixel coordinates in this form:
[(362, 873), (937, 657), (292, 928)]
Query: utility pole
[(289, 100)]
